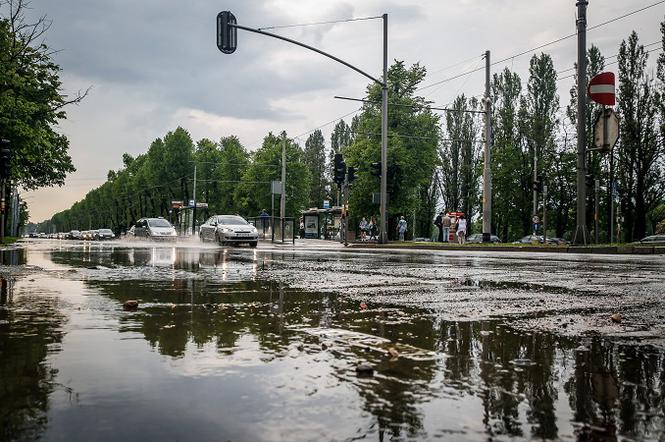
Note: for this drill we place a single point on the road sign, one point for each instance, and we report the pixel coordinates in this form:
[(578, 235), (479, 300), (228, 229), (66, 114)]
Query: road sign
[(276, 187), (326, 204), (607, 118), (601, 89)]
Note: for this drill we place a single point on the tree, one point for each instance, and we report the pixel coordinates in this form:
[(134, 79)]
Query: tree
[(511, 180), (315, 160), (414, 135), (639, 153), (31, 101), (254, 195), (460, 158)]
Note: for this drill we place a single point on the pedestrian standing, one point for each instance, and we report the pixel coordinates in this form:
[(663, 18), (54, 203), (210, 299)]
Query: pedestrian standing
[(363, 229), (372, 229), (439, 224), (445, 226), (536, 224), (461, 229), (401, 227)]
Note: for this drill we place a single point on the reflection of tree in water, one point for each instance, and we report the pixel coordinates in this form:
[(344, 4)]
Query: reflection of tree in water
[(400, 385), (511, 366), (617, 389), (29, 326)]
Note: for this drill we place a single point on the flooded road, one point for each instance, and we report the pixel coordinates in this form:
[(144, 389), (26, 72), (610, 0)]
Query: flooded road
[(271, 344)]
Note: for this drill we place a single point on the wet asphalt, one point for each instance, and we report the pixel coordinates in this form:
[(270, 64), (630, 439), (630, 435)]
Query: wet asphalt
[(315, 341)]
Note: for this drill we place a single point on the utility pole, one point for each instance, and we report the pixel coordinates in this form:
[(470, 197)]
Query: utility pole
[(282, 202), (535, 179), (596, 213), (581, 234), (383, 237), (194, 199), (544, 213), (487, 171)]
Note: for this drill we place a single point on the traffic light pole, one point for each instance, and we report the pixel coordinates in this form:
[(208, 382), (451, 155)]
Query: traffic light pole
[(383, 237), (487, 172)]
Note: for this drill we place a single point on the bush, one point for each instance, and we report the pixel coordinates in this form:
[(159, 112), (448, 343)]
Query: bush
[(660, 228)]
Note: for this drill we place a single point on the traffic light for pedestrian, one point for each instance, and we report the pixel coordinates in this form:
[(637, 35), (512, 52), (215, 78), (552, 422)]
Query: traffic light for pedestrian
[(5, 159), (376, 169), (339, 169), (227, 35), (351, 174)]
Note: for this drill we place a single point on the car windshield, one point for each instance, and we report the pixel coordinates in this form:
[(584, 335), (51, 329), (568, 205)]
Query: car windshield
[(105, 231), (158, 222), (230, 220)]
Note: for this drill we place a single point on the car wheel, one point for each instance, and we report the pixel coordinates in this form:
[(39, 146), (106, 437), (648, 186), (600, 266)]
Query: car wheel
[(253, 243)]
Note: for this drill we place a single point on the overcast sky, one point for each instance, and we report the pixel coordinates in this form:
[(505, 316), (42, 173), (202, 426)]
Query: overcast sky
[(153, 65)]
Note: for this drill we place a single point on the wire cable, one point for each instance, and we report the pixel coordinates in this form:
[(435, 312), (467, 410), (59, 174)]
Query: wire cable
[(329, 22), (560, 39)]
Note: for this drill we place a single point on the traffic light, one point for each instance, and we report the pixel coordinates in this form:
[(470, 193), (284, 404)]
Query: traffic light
[(589, 180), (227, 36), (376, 169), (5, 159), (538, 184), (351, 174), (339, 169)]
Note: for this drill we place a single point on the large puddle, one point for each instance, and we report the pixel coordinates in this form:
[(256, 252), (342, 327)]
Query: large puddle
[(218, 349)]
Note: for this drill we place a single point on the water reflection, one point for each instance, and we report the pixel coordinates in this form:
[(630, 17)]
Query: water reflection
[(530, 385), (30, 329), (286, 353)]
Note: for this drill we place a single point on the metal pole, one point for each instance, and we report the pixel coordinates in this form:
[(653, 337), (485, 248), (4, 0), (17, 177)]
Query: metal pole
[(2, 208), (581, 230), (282, 203), (487, 172), (611, 196), (535, 178), (383, 238), (544, 214), (596, 214), (194, 209)]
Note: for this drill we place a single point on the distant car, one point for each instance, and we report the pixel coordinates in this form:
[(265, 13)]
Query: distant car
[(653, 240), (557, 241), (477, 238), (229, 229), (74, 234), (529, 239), (153, 228), (104, 234)]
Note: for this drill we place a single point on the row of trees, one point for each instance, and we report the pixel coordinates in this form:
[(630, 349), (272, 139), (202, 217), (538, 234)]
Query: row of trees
[(434, 162)]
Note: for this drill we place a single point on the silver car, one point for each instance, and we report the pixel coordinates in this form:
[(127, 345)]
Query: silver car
[(153, 228), (229, 229)]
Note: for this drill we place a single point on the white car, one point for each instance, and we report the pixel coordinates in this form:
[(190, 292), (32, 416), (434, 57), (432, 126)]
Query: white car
[(229, 229)]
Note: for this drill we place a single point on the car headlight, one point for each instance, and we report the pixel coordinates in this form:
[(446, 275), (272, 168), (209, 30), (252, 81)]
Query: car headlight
[(226, 230)]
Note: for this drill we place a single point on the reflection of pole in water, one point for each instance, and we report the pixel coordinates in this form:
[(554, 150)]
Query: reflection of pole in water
[(4, 291)]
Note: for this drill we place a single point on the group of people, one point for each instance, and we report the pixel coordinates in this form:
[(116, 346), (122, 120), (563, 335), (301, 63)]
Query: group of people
[(368, 229), (444, 223)]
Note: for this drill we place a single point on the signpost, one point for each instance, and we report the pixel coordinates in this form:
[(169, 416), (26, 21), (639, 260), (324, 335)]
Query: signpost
[(601, 89)]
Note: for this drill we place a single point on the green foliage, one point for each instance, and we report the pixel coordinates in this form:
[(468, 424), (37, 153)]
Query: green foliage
[(315, 160), (254, 192), (414, 135), (31, 103)]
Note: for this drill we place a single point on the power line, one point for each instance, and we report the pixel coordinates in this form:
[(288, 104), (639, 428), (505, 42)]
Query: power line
[(328, 123), (565, 37), (329, 22), (422, 106)]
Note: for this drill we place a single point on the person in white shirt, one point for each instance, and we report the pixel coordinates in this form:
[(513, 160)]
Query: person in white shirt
[(461, 229)]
